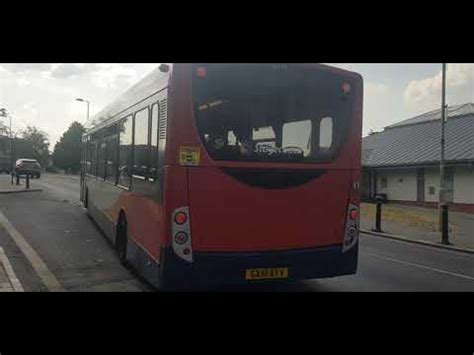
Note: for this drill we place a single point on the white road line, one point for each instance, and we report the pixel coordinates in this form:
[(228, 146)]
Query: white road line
[(17, 287), (48, 278), (421, 266), (430, 247)]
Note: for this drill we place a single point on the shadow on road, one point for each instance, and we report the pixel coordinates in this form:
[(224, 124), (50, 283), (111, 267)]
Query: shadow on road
[(283, 287)]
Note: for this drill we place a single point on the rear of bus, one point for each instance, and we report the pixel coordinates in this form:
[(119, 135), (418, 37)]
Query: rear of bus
[(262, 173)]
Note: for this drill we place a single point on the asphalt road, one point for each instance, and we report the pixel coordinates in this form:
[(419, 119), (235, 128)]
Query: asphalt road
[(54, 223)]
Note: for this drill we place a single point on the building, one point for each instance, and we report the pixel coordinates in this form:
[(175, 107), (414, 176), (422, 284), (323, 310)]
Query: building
[(402, 161)]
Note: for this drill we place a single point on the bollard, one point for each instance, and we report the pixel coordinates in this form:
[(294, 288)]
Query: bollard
[(27, 180), (378, 215), (444, 225), (17, 179)]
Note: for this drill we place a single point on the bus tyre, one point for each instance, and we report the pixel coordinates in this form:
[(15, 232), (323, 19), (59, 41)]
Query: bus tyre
[(122, 239)]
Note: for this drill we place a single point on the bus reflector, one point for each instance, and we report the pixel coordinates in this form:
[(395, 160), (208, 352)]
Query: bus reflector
[(201, 72), (181, 238), (353, 214), (180, 218)]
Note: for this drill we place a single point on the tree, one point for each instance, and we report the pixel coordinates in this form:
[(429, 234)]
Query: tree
[(3, 128), (35, 145), (67, 152)]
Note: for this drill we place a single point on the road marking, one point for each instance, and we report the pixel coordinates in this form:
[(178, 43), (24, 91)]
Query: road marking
[(46, 276), (421, 244), (17, 287), (421, 266)]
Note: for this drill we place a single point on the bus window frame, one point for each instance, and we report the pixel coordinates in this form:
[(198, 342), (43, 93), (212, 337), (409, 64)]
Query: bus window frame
[(147, 108), (96, 159), (117, 152), (102, 140), (89, 144), (150, 125), (132, 145)]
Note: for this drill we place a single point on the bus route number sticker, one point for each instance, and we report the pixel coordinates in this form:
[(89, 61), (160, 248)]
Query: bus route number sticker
[(189, 156)]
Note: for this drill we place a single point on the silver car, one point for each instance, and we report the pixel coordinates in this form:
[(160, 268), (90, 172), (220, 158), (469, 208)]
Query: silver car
[(28, 166)]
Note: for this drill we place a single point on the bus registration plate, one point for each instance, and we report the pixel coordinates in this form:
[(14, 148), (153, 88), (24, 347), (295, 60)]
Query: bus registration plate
[(266, 273)]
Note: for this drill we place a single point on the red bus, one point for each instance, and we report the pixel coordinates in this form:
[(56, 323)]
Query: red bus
[(230, 173)]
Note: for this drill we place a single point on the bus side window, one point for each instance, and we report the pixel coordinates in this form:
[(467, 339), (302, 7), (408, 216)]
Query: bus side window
[(102, 158), (125, 151), (154, 143), (141, 147), (93, 157), (162, 132), (111, 160), (90, 146)]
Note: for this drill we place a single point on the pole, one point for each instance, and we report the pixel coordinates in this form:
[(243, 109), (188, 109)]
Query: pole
[(87, 111), (11, 149), (442, 203), (378, 215)]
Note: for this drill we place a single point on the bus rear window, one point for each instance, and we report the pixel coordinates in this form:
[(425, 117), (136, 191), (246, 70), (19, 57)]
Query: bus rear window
[(264, 112)]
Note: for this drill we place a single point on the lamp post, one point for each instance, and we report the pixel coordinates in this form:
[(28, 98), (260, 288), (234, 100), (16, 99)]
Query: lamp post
[(81, 154), (87, 102), (3, 113)]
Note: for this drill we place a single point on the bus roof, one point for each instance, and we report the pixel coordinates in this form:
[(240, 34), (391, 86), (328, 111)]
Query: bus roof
[(152, 84), (148, 86)]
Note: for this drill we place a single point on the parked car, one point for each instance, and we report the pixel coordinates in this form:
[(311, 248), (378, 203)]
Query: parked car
[(28, 166), (5, 164)]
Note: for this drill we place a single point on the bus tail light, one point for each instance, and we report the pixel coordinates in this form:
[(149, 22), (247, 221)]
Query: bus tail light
[(346, 88), (351, 234), (201, 72), (180, 218), (353, 214), (181, 234)]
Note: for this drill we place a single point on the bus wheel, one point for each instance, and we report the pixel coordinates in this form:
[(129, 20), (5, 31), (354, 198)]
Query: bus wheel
[(122, 239)]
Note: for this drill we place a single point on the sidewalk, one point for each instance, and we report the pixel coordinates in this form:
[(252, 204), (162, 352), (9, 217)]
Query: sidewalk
[(420, 224), (6, 186), (8, 280)]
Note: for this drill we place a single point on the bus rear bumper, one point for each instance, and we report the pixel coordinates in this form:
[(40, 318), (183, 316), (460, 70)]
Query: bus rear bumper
[(230, 268)]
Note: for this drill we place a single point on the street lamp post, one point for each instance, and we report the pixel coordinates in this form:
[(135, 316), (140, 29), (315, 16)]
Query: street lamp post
[(3, 113), (87, 102), (82, 167), (11, 149)]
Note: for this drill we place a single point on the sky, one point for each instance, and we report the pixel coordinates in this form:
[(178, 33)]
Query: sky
[(43, 94)]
